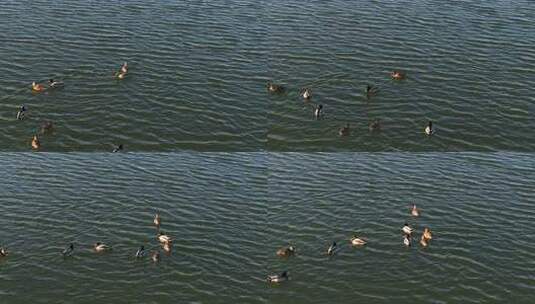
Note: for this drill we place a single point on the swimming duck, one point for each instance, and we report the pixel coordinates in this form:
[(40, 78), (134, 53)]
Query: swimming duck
[(101, 247), (306, 93), (3, 252), (407, 229), (140, 252), (397, 75), (344, 131), (22, 112), (414, 211), (407, 240), (429, 129), (120, 75), (277, 278), (356, 241), (35, 143), (124, 68), (68, 251), (332, 249), (167, 247), (274, 88), (318, 111), (375, 126), (155, 256), (118, 148), (423, 242), (371, 90), (163, 238), (157, 220), (286, 251), (36, 87), (427, 234), (54, 84), (47, 127)]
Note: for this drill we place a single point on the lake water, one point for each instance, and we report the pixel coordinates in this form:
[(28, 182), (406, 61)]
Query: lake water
[(229, 213), (198, 71)]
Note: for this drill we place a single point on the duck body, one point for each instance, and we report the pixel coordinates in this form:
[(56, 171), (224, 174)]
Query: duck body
[(118, 148), (36, 87), (397, 75), (274, 88), (344, 131), (164, 238), (318, 111), (140, 252), (427, 235), (22, 112), (306, 93), (286, 251), (277, 278), (332, 249), (157, 220), (356, 241), (414, 211), (68, 251), (3, 252), (407, 240), (407, 230), (55, 84), (155, 256), (101, 247), (35, 143), (424, 242)]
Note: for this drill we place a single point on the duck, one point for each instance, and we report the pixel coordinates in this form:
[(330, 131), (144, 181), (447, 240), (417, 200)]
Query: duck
[(54, 84), (306, 93), (118, 148), (46, 127), (68, 251), (429, 129), (277, 278), (124, 68), (406, 229), (120, 75), (167, 247), (407, 240), (414, 211), (22, 112), (397, 75), (140, 252), (375, 126), (101, 247), (36, 87), (35, 143), (356, 241), (424, 242), (318, 111), (332, 249), (155, 256), (344, 131), (427, 234), (163, 238), (371, 90), (286, 251), (274, 88), (3, 252), (157, 220)]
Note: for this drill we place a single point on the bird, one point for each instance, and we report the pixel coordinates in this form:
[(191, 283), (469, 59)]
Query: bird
[(118, 148), (427, 234), (277, 278), (407, 240), (414, 211), (274, 88), (167, 247), (3, 252), (101, 247), (407, 229), (155, 256), (318, 111), (140, 252), (22, 112), (397, 75), (157, 220), (54, 84), (124, 68), (163, 238), (344, 131), (286, 251), (306, 93), (429, 129), (356, 241), (35, 143), (424, 242), (68, 251), (36, 87), (332, 249), (375, 126)]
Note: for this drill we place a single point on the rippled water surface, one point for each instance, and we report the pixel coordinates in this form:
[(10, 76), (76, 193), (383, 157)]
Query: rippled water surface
[(480, 208), (196, 81), (198, 71), (229, 213)]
